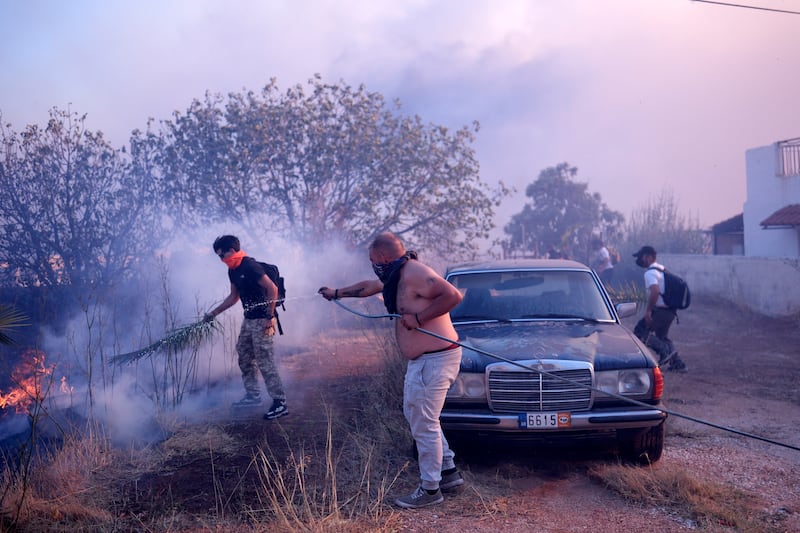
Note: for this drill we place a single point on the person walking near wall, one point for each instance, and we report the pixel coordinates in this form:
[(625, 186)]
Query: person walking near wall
[(653, 328)]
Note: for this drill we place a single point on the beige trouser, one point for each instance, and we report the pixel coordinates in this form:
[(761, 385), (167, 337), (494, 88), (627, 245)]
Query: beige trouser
[(428, 378)]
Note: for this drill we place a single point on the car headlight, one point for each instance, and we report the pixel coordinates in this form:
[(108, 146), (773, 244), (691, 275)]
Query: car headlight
[(468, 386), (629, 382)]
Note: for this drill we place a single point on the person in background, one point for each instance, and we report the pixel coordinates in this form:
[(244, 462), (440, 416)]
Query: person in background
[(423, 299), (251, 285), (653, 328), (553, 252), (600, 261)]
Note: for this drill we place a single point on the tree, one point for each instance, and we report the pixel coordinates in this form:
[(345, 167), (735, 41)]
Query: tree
[(74, 211), (333, 162), (658, 223), (561, 214)]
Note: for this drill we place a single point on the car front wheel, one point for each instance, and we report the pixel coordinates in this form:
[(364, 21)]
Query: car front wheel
[(642, 446)]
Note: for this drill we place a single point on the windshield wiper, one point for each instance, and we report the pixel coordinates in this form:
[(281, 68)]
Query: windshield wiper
[(562, 315), (479, 317)]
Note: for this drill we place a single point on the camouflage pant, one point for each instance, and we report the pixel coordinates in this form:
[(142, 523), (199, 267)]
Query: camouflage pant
[(255, 349)]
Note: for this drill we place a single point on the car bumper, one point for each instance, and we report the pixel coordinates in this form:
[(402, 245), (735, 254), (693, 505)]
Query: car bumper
[(598, 419)]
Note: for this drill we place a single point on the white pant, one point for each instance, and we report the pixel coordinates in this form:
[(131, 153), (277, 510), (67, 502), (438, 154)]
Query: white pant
[(428, 378)]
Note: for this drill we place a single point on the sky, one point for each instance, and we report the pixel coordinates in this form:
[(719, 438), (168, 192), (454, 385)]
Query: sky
[(642, 96)]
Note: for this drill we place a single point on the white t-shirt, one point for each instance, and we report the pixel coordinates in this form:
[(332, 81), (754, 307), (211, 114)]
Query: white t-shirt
[(602, 259), (655, 276)]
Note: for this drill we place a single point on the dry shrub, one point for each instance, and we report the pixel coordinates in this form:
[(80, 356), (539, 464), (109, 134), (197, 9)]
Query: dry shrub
[(341, 484), (330, 489), (191, 440), (705, 501), (61, 486), (627, 292), (382, 418)]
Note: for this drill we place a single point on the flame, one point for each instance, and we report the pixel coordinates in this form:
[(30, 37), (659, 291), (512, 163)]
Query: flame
[(29, 382), (65, 387)]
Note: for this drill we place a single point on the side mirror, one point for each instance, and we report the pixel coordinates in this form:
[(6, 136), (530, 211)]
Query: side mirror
[(626, 309)]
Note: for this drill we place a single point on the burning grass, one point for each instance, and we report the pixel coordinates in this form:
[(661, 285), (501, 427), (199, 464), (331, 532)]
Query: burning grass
[(31, 380)]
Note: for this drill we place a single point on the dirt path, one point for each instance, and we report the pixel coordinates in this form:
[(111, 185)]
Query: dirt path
[(743, 373)]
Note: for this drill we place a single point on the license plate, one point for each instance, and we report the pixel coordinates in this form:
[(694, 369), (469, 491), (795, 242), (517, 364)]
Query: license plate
[(545, 420)]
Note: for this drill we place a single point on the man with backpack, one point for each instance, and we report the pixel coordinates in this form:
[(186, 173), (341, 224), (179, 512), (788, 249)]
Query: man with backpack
[(653, 328), (259, 294)]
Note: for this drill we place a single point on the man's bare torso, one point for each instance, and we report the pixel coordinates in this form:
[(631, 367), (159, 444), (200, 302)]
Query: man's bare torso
[(416, 282)]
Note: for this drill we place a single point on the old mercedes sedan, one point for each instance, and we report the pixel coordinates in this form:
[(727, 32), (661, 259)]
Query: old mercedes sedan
[(546, 358)]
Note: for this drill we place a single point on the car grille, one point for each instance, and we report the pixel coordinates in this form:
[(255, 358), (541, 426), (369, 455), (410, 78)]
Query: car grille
[(521, 391)]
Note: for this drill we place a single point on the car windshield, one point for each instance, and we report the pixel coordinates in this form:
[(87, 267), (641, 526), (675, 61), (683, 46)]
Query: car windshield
[(529, 295)]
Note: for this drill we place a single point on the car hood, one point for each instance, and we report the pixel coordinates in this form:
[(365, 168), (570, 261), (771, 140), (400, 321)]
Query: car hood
[(607, 346)]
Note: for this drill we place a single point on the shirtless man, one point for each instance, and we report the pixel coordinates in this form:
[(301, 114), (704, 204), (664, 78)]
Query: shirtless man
[(423, 299)]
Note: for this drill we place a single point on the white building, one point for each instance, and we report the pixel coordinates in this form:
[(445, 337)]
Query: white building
[(772, 209)]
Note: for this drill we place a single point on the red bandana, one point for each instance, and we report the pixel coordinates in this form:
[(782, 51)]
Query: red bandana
[(235, 259)]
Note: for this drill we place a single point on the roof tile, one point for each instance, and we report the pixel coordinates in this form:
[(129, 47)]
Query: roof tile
[(785, 216)]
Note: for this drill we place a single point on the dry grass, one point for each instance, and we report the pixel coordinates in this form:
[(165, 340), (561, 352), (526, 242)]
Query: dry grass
[(60, 487), (706, 502), (627, 293), (334, 489), (335, 480), (338, 484), (191, 440), (342, 483)]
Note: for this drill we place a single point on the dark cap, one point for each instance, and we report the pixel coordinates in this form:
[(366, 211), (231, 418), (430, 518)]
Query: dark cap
[(645, 250)]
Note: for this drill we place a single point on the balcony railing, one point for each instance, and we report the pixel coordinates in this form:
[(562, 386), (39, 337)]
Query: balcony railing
[(789, 158)]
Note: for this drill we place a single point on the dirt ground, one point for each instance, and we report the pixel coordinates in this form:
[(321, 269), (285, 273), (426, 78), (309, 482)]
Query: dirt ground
[(743, 374)]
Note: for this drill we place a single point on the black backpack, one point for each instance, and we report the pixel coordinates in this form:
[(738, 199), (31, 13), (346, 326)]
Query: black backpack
[(274, 274), (676, 293)]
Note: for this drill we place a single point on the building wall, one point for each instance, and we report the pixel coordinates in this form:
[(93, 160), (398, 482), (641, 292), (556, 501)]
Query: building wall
[(766, 193), (770, 286), (729, 244)]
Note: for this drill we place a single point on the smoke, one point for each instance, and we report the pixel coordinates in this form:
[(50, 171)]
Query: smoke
[(139, 403)]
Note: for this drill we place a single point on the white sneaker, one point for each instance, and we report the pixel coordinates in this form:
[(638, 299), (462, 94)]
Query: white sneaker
[(277, 410)]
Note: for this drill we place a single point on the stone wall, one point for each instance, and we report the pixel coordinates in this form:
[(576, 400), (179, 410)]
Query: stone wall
[(766, 285)]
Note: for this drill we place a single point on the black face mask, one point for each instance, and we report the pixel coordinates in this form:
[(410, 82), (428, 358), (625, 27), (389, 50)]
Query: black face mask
[(640, 262), (385, 270), (389, 274)]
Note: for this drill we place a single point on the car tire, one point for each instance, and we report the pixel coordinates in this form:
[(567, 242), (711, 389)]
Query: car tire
[(643, 447)]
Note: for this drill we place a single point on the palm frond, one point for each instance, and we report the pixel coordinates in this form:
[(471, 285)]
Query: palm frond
[(10, 319), (191, 335)]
